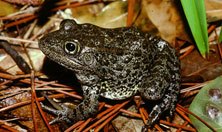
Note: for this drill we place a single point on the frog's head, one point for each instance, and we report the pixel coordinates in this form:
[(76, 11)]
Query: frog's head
[(71, 46)]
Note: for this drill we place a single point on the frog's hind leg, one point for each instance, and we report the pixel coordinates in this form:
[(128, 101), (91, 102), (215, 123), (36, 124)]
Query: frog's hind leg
[(162, 83), (168, 103)]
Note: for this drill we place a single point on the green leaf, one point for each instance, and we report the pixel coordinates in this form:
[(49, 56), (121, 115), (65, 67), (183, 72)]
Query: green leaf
[(196, 17), (208, 106)]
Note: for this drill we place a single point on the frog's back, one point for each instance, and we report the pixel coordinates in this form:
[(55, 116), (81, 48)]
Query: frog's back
[(125, 56)]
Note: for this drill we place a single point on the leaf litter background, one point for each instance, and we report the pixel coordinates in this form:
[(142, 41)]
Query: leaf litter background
[(162, 17)]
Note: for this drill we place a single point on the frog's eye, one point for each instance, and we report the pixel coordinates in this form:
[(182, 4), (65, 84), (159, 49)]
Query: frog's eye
[(71, 47)]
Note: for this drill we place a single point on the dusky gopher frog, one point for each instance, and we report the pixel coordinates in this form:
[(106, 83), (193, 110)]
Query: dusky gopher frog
[(115, 64)]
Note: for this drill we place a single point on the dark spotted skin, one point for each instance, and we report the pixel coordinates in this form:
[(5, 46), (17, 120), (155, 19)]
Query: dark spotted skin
[(116, 64)]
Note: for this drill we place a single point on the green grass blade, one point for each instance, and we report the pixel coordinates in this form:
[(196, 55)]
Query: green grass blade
[(220, 36), (196, 17)]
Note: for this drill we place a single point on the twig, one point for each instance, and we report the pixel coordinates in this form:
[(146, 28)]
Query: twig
[(22, 64), (83, 125), (28, 102), (105, 122), (131, 4), (177, 126), (17, 40), (184, 125), (199, 85), (189, 112), (37, 102), (186, 51), (118, 106), (133, 114), (33, 102), (26, 19), (74, 126), (13, 77), (204, 68), (8, 128)]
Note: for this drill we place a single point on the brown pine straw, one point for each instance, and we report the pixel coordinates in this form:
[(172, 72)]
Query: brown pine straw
[(13, 77), (98, 128), (83, 125), (7, 128), (177, 126), (23, 20), (34, 16), (29, 101), (211, 28), (74, 126), (184, 125), (73, 94), (189, 49), (131, 5), (106, 127), (180, 127), (181, 113), (16, 16), (220, 50), (69, 94), (189, 112), (219, 45), (130, 113), (72, 5), (110, 108), (194, 87), (34, 100), (141, 110), (204, 68), (101, 105), (59, 96), (105, 112), (5, 83), (144, 115), (116, 109), (100, 115)]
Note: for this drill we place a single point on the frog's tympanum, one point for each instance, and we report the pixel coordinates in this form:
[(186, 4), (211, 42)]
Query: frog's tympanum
[(115, 64)]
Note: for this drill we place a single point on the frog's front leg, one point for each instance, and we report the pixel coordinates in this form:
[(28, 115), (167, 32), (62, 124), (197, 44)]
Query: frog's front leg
[(87, 108), (163, 82)]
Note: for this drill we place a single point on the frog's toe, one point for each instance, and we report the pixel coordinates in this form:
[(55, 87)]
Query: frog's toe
[(172, 109), (62, 115), (154, 116), (60, 119), (150, 123), (145, 128)]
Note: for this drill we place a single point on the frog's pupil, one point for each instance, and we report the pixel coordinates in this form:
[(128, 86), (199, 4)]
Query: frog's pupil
[(70, 47)]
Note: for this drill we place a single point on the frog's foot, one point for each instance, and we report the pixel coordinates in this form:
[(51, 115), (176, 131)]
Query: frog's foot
[(87, 108), (62, 115), (168, 104)]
